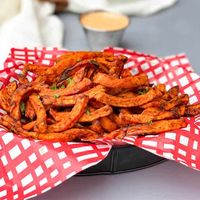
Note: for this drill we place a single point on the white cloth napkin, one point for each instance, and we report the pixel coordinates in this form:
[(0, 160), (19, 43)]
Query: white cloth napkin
[(28, 23), (130, 7)]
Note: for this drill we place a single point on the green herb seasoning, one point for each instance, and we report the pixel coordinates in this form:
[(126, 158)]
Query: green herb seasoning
[(88, 111), (22, 107), (62, 86), (78, 60), (142, 91), (150, 122), (54, 87), (56, 96), (70, 81), (94, 62)]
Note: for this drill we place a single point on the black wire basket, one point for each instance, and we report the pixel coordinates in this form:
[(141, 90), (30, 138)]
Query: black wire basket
[(123, 159)]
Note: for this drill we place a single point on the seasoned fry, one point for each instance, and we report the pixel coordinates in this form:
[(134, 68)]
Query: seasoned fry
[(70, 100), (36, 69), (176, 101), (76, 88), (127, 102), (96, 126), (154, 103), (6, 95), (85, 96), (192, 110), (157, 127), (108, 124), (29, 126), (91, 116), (127, 94), (29, 112), (171, 93), (68, 135), (151, 114), (125, 83), (22, 79), (41, 124), (126, 73), (73, 117), (19, 94), (143, 129)]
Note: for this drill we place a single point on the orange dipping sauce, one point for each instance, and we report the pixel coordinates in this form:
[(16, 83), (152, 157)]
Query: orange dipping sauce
[(104, 21)]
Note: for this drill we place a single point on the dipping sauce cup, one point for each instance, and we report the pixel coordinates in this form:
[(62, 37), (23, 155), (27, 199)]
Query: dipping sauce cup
[(103, 28)]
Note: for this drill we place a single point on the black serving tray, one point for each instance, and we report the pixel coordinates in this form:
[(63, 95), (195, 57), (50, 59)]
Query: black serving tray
[(123, 159)]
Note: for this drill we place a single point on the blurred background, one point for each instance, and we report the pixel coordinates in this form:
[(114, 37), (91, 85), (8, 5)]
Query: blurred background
[(161, 27)]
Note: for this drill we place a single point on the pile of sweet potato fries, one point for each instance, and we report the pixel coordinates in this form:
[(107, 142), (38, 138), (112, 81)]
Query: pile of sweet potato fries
[(90, 95)]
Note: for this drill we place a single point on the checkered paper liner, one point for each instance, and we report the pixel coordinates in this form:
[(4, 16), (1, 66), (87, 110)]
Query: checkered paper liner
[(30, 167)]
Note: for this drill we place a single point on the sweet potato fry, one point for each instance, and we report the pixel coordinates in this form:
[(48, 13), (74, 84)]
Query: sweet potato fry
[(70, 71), (58, 116), (127, 94), (125, 83), (69, 135), (96, 126), (41, 124), (73, 117), (79, 75), (192, 110), (6, 95), (29, 111), (127, 102), (154, 103), (29, 126), (70, 100), (115, 64), (126, 73), (22, 79), (19, 95), (76, 88), (65, 136), (157, 127), (36, 69), (151, 114), (171, 93), (91, 116), (143, 129), (176, 101), (108, 124)]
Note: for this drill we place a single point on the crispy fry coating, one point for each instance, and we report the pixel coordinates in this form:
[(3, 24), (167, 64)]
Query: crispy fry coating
[(192, 110), (176, 101), (96, 126), (76, 88), (91, 116), (151, 114), (73, 116), (29, 126), (125, 83), (19, 95), (41, 124), (108, 124), (65, 136), (29, 112), (6, 95), (36, 69), (143, 129), (157, 127), (127, 102), (70, 100)]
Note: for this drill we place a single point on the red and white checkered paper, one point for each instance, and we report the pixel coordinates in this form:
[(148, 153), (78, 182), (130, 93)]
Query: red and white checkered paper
[(30, 167)]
